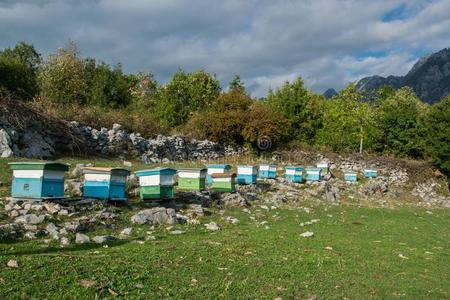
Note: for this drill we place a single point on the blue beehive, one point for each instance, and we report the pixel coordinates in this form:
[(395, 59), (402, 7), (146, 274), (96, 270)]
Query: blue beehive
[(246, 174), (267, 171), (370, 173), (313, 174), (350, 176), (38, 180), (294, 174), (217, 169), (105, 183)]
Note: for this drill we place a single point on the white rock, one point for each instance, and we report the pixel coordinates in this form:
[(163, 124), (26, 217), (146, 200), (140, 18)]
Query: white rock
[(12, 263), (307, 234), (212, 226), (82, 238)]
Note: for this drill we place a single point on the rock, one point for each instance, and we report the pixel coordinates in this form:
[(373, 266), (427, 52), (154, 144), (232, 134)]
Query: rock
[(157, 215), (52, 229), (126, 231), (103, 239), (117, 127), (81, 238), (13, 213), (30, 219), (12, 263), (5, 144), (307, 234), (36, 146), (73, 226), (65, 241), (128, 164), (73, 187), (176, 232), (212, 226), (234, 199), (52, 207), (37, 207), (30, 235), (232, 220)]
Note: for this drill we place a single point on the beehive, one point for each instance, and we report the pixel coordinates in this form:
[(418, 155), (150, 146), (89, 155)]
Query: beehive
[(267, 171), (246, 174), (370, 173), (105, 183), (192, 179), (38, 180), (350, 176), (156, 183), (294, 174), (313, 174), (224, 182), (217, 169), (324, 167)]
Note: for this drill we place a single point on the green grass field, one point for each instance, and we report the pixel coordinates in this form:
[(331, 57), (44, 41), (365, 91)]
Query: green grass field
[(355, 253)]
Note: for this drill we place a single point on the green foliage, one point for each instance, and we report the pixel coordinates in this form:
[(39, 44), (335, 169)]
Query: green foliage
[(184, 94), (437, 124), (346, 121), (224, 121), (63, 78), (18, 70), (400, 117), (301, 108), (236, 85)]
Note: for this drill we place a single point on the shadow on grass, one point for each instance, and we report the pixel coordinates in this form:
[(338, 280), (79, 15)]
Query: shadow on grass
[(61, 250)]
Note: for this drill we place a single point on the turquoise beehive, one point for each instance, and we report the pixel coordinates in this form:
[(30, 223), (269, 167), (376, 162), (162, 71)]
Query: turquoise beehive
[(294, 174), (313, 174), (105, 183), (217, 169), (38, 180), (267, 171)]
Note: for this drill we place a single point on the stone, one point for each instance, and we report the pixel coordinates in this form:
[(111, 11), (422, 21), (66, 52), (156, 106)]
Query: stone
[(13, 213), (52, 229), (5, 144), (117, 127), (156, 215), (63, 212), (81, 238), (52, 207), (37, 207), (212, 226), (65, 241), (73, 187), (176, 232), (232, 220), (126, 231), (12, 263), (73, 226), (307, 234), (30, 235), (36, 146), (103, 239), (128, 164), (30, 219)]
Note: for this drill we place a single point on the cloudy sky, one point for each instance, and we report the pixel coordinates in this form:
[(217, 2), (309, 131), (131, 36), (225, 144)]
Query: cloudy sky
[(328, 42)]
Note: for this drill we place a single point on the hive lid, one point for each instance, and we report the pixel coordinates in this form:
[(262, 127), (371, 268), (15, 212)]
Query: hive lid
[(105, 170), (219, 166), (39, 165), (156, 171), (295, 167), (223, 175), (192, 170)]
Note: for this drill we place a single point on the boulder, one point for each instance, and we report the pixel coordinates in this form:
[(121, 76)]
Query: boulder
[(82, 239), (156, 215), (5, 144), (30, 219), (103, 239)]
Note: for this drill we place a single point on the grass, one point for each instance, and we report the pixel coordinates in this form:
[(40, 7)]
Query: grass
[(355, 253)]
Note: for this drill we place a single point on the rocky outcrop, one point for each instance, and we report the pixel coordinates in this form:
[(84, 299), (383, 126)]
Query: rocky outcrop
[(429, 78)]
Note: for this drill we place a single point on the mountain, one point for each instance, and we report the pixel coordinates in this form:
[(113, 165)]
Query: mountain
[(429, 78), (330, 93)]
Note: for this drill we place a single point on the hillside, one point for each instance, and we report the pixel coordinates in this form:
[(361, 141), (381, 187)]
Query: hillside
[(429, 78)]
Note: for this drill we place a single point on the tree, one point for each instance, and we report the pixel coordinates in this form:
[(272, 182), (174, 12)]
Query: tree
[(237, 85), (63, 77), (400, 120), (18, 70), (184, 94), (349, 124), (300, 107), (437, 129)]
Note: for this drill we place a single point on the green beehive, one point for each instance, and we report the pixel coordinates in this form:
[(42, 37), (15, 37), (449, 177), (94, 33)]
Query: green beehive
[(156, 183), (224, 182), (193, 179)]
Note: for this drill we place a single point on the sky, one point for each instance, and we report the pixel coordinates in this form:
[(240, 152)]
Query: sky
[(329, 43)]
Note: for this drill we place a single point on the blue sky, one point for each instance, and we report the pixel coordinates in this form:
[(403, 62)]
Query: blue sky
[(328, 43)]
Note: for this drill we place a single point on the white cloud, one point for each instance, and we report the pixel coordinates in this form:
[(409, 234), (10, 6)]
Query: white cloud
[(266, 42)]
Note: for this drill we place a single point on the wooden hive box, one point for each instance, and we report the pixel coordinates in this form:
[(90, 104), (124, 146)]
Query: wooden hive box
[(217, 169), (350, 176), (224, 182), (38, 180), (156, 183), (267, 171), (246, 174), (313, 174), (294, 174), (192, 179), (105, 183), (370, 173)]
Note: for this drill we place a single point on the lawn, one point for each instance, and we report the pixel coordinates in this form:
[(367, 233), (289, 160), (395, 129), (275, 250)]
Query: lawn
[(355, 253)]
